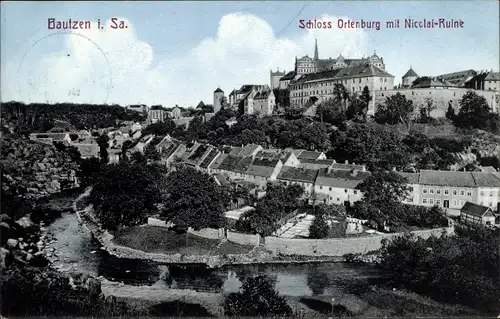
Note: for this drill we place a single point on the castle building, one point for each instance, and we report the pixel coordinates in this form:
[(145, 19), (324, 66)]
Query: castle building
[(275, 78), (409, 78), (320, 86), (306, 64), (218, 99)]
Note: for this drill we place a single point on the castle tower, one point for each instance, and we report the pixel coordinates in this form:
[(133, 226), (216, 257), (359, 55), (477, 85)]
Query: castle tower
[(275, 78), (316, 55), (409, 78), (218, 97)]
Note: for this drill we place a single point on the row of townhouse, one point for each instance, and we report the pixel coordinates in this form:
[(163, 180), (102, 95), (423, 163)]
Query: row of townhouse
[(452, 189), (324, 180)]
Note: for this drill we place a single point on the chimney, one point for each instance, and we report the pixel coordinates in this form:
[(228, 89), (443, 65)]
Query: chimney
[(346, 162)]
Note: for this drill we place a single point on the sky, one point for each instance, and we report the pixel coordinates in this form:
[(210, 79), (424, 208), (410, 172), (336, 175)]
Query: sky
[(180, 52)]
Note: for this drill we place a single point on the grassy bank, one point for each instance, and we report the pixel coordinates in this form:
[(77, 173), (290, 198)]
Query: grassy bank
[(154, 239)]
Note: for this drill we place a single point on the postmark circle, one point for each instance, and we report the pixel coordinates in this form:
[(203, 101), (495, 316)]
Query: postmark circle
[(64, 76)]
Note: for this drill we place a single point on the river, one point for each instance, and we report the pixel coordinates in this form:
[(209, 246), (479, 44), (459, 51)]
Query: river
[(76, 250), (303, 285)]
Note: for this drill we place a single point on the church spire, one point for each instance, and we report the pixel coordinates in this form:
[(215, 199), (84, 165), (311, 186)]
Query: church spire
[(316, 49)]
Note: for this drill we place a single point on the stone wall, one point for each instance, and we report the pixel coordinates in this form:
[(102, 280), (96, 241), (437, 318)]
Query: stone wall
[(336, 246), (333, 247), (242, 239), (440, 98)]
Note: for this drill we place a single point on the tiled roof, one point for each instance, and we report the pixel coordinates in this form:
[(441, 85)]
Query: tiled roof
[(230, 163), (316, 76), (298, 174), (249, 149), (409, 73), (488, 169), (309, 155), (493, 76), (169, 150), (200, 105), (485, 179), (348, 167), (411, 177), (218, 161), (362, 70), (459, 179), (218, 91), (266, 162), (209, 158), (288, 76), (262, 95), (433, 82), (340, 178), (315, 164), (474, 209), (243, 165), (197, 154), (446, 178), (261, 170), (295, 151), (235, 151)]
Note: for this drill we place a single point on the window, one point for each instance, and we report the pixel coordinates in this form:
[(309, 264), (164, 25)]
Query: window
[(454, 192), (410, 189), (355, 192), (454, 202), (491, 194), (461, 203), (424, 191), (431, 201), (438, 191), (469, 194), (321, 187), (446, 192), (462, 192), (431, 191), (330, 189), (438, 202), (424, 201), (482, 193), (345, 190), (338, 199), (490, 204)]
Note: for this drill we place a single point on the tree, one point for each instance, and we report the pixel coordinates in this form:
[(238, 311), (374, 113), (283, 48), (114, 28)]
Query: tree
[(426, 110), (396, 109), (276, 204), (341, 95), (319, 228), (161, 128), (450, 112), (125, 194), (150, 153), (257, 298), (384, 188), (331, 112), (193, 199), (103, 142), (89, 171), (475, 113), (365, 99)]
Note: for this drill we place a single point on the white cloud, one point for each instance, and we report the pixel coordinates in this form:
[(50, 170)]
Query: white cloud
[(242, 51)]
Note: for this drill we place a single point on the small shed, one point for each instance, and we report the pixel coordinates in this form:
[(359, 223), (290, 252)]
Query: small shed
[(476, 214)]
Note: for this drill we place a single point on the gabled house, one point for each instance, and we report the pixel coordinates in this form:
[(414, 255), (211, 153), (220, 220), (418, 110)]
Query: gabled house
[(209, 160), (473, 214), (338, 186), (298, 176)]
